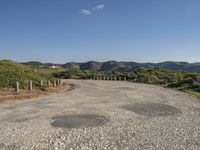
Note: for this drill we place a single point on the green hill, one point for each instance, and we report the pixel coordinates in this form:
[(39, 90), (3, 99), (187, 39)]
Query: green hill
[(91, 65), (71, 65)]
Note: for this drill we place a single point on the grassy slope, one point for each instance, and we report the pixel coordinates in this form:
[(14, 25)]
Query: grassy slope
[(11, 72)]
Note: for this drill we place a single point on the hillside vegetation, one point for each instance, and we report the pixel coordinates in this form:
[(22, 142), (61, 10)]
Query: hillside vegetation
[(11, 72)]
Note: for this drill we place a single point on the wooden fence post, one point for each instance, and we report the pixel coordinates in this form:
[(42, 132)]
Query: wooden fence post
[(115, 78), (149, 80), (41, 83), (17, 87), (54, 83), (135, 80), (30, 85), (61, 83)]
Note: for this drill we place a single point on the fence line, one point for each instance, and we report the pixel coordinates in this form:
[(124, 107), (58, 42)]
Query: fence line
[(55, 83)]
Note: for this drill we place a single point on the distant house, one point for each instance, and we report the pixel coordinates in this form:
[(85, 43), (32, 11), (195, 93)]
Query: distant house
[(53, 67)]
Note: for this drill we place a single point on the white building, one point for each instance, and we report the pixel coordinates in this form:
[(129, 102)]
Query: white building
[(53, 67)]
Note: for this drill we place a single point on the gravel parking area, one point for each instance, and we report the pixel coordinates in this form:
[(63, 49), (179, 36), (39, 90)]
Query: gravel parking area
[(103, 115)]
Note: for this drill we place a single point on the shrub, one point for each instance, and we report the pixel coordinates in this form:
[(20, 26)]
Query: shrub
[(11, 72)]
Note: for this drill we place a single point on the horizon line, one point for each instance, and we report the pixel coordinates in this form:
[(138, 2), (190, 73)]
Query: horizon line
[(45, 62)]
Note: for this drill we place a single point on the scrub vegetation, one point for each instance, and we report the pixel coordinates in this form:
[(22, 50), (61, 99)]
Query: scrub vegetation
[(11, 72)]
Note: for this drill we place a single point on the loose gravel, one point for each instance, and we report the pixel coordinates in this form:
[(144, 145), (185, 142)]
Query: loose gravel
[(102, 115)]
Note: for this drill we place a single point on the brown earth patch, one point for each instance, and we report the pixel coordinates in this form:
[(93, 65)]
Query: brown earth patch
[(9, 94)]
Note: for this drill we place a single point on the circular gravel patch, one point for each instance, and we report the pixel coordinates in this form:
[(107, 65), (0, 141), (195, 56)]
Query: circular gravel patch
[(78, 120), (153, 109)]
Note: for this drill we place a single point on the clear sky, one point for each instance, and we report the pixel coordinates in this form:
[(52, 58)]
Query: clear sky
[(80, 30)]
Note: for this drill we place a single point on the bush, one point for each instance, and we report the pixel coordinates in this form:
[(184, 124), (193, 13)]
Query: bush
[(11, 72)]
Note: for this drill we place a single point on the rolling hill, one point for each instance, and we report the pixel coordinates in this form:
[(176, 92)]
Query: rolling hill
[(123, 66)]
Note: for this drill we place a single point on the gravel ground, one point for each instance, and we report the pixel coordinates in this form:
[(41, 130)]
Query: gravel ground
[(103, 115)]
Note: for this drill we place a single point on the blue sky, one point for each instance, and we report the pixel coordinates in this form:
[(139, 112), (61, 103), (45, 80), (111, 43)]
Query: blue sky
[(80, 30)]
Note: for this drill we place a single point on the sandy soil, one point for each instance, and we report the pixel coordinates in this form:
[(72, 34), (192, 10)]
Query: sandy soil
[(103, 115)]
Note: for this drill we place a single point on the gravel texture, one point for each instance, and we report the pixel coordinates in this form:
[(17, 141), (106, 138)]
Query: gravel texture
[(103, 115)]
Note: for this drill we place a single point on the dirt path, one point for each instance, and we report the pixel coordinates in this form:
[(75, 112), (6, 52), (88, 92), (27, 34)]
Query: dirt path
[(103, 115)]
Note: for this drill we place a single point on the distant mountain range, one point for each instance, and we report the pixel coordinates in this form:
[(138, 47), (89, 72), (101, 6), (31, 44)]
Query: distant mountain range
[(122, 66)]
